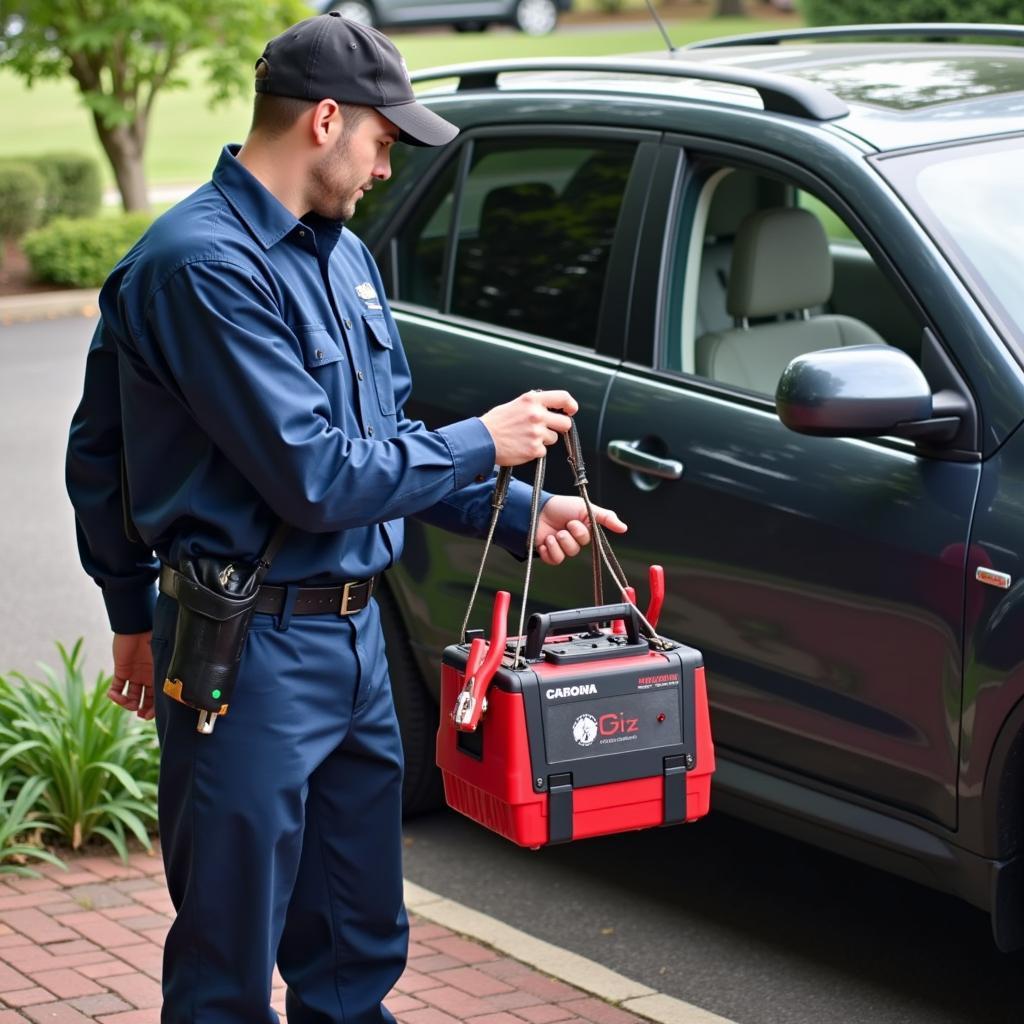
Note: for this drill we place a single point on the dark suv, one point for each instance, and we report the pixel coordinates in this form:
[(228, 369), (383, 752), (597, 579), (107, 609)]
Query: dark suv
[(784, 276)]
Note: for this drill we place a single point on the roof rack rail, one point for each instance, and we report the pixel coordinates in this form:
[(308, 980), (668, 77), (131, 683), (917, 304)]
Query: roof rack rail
[(780, 95), (942, 30)]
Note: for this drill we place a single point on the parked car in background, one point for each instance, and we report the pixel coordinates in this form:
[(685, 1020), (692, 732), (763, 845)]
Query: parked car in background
[(534, 17), (782, 276)]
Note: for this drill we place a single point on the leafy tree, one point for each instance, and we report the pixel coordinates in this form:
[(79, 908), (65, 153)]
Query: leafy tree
[(122, 53)]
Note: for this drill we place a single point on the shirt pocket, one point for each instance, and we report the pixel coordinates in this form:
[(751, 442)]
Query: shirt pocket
[(380, 358), (318, 347)]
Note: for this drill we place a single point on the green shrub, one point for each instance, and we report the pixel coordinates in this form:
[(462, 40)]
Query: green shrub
[(17, 818), (82, 252), (98, 764), (852, 12), (73, 187), (21, 198)]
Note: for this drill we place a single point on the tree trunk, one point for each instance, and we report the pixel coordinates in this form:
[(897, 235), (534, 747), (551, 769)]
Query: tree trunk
[(729, 9), (124, 146)]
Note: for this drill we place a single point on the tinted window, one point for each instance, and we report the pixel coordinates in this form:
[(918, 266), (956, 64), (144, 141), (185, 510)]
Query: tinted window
[(970, 199), (536, 224), (420, 246), (536, 221)]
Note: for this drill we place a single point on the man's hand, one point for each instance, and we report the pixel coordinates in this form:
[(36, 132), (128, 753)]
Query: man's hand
[(132, 686), (523, 428), (563, 528)]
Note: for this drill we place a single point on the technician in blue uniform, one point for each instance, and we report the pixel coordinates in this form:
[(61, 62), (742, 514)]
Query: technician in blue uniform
[(247, 371)]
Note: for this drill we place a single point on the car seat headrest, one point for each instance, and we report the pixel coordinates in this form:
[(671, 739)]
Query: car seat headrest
[(780, 263)]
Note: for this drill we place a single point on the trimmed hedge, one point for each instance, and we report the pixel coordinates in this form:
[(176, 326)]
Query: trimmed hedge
[(21, 198), (82, 252), (852, 12), (73, 187)]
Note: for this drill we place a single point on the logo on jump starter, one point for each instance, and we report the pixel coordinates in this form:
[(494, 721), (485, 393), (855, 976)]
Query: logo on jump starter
[(584, 730), (557, 692)]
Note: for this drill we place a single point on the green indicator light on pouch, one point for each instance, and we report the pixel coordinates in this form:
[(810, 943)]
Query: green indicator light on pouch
[(215, 695)]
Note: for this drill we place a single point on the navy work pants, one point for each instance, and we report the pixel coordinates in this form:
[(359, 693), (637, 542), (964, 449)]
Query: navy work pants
[(281, 831)]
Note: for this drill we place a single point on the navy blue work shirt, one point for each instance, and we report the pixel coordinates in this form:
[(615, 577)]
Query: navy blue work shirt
[(247, 365)]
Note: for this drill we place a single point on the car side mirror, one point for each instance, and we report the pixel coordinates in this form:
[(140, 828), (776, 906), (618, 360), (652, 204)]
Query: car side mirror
[(863, 391)]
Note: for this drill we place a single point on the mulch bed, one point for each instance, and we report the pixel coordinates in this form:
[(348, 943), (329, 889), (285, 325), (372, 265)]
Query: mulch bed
[(16, 275)]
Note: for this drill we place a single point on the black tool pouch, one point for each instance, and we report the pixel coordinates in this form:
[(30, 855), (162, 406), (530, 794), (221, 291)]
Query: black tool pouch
[(216, 600)]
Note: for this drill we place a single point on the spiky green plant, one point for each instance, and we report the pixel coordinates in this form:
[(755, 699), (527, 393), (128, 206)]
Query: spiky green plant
[(97, 763), (18, 819)]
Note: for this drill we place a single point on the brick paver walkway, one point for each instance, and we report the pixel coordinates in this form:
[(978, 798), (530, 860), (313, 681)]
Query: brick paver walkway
[(86, 945)]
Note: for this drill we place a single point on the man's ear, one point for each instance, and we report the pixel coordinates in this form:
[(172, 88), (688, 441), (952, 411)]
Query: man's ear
[(326, 122)]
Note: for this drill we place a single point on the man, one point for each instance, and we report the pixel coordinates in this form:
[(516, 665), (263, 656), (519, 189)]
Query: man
[(247, 371)]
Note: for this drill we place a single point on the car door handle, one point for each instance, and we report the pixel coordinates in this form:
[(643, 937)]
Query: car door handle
[(626, 453)]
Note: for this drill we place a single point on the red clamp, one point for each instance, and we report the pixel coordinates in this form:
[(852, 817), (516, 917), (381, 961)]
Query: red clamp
[(482, 663), (656, 579)]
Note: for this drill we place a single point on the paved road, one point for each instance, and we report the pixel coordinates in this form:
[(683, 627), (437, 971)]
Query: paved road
[(737, 920), (747, 924), (45, 596)]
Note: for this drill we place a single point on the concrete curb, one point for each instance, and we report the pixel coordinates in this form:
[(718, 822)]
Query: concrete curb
[(552, 960), (15, 309)]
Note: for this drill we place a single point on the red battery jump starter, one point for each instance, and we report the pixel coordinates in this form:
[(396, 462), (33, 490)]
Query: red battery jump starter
[(599, 726)]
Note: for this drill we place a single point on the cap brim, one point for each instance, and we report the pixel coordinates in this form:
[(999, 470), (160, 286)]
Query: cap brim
[(419, 125)]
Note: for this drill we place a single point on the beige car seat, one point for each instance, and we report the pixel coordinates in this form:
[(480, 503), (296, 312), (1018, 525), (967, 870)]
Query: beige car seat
[(780, 264)]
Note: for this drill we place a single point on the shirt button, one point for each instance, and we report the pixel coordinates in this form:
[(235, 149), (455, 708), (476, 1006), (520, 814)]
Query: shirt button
[(302, 234), (480, 478), (359, 374), (319, 353), (348, 325), (369, 431)]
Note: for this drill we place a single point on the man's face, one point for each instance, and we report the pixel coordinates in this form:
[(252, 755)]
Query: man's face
[(360, 155)]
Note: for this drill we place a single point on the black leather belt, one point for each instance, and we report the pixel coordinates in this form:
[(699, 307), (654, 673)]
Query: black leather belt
[(343, 599)]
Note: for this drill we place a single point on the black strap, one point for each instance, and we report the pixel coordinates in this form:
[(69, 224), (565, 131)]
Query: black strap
[(270, 552), (574, 452)]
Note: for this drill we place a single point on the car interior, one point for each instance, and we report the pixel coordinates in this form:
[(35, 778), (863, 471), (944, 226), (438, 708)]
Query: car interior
[(773, 273)]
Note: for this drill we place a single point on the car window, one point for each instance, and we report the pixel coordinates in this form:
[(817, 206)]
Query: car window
[(969, 198), (536, 220), (768, 271), (421, 244)]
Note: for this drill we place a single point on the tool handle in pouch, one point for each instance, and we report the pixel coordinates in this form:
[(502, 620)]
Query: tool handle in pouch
[(215, 606)]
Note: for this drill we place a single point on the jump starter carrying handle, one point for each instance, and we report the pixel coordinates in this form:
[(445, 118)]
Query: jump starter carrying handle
[(543, 624)]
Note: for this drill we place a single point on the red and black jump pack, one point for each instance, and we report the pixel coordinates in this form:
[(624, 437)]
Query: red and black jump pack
[(590, 724)]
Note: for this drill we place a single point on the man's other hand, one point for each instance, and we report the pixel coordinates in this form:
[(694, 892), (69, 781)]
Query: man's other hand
[(132, 685), (523, 428), (564, 529)]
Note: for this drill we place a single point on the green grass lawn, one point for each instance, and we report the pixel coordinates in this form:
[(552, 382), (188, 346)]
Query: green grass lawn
[(185, 135)]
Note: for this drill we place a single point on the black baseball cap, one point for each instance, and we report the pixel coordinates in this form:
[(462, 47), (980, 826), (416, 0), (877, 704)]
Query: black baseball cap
[(330, 57)]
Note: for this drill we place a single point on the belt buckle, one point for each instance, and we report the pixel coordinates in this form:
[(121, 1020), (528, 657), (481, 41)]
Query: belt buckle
[(345, 595)]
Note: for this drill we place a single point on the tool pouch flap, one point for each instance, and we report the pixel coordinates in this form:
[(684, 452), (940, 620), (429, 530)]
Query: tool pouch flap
[(215, 589)]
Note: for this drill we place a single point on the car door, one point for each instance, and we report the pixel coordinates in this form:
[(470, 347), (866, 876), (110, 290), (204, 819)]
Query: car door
[(823, 578), (506, 274)]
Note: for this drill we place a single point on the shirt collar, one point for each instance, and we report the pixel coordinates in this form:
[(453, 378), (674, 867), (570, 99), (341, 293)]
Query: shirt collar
[(259, 209)]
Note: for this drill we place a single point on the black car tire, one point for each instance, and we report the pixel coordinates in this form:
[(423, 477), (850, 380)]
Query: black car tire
[(417, 715), (355, 10), (535, 17)]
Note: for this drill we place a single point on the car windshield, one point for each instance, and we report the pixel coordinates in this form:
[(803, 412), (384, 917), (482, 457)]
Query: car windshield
[(971, 198)]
